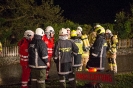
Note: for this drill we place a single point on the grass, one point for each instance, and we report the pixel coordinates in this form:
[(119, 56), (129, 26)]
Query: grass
[(123, 80)]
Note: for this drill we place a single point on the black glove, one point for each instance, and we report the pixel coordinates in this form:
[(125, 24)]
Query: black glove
[(56, 60), (107, 49)]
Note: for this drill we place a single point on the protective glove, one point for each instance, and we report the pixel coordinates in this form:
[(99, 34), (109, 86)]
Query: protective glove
[(55, 60)]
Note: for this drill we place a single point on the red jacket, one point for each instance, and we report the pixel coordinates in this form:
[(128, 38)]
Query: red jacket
[(50, 45), (23, 51)]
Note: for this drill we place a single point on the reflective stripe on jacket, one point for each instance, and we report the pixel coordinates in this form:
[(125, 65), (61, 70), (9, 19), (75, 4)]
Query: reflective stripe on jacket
[(23, 51), (50, 45), (98, 53), (63, 53), (38, 55)]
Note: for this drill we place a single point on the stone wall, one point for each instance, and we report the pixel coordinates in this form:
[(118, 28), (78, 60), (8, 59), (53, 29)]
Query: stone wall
[(8, 60), (125, 51)]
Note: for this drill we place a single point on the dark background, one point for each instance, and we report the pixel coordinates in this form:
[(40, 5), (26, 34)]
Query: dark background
[(93, 11)]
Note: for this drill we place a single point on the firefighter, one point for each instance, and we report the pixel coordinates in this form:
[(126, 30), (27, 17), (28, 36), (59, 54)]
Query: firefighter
[(79, 31), (48, 38), (98, 51), (112, 42), (63, 53), (79, 28), (69, 32), (92, 35), (23, 52), (86, 48), (38, 59), (0, 48), (77, 58)]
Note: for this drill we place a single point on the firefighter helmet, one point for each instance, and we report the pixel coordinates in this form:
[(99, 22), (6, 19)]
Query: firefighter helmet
[(62, 32), (49, 29), (79, 28), (100, 30), (96, 26), (28, 34), (39, 31), (73, 33), (68, 29), (108, 31), (115, 36), (78, 32)]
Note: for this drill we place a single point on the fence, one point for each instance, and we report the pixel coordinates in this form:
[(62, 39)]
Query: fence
[(13, 50), (9, 51), (125, 43)]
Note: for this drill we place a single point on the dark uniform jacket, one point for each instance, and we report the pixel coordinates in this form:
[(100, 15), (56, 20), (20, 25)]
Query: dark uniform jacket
[(38, 55), (63, 53), (97, 54)]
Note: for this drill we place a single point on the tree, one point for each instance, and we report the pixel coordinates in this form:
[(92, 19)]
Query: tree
[(16, 16), (131, 22), (122, 24)]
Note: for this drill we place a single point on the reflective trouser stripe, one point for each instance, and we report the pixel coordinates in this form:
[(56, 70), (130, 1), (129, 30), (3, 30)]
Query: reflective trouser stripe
[(61, 80), (24, 82), (24, 59), (33, 79), (71, 79), (38, 78), (24, 85), (40, 81)]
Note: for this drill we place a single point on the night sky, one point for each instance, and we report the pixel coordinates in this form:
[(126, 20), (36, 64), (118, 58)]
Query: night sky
[(92, 11)]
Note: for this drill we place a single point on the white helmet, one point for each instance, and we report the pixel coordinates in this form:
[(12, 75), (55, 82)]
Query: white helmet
[(78, 32), (68, 29), (79, 28), (108, 31), (63, 31), (49, 29), (28, 34), (39, 31)]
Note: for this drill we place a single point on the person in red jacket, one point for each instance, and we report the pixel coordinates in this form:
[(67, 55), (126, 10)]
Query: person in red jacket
[(48, 38), (23, 45)]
